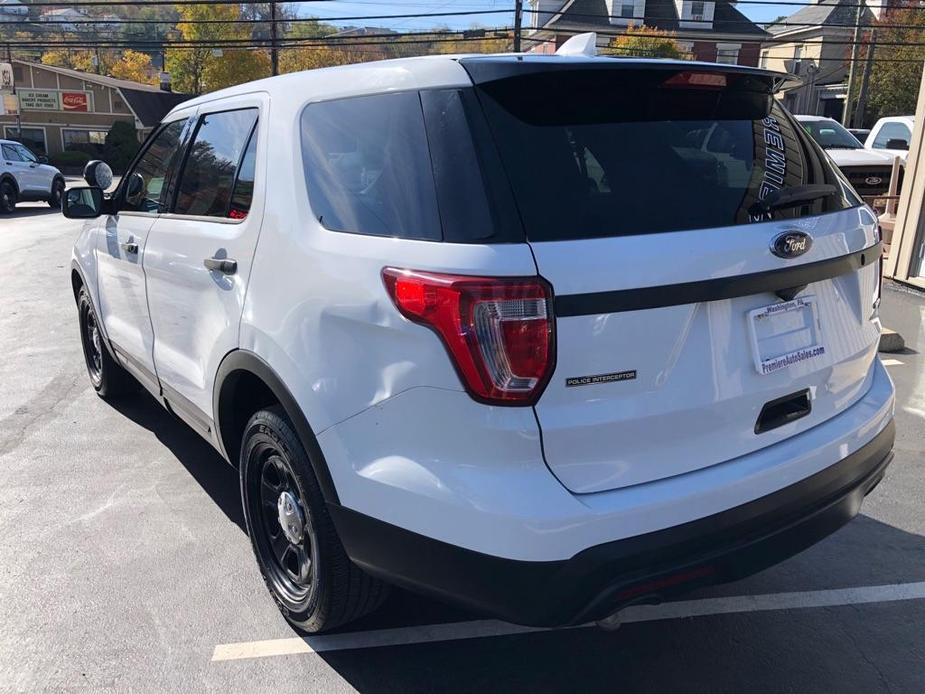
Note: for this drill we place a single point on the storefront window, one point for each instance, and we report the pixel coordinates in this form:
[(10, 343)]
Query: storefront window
[(89, 141), (33, 138)]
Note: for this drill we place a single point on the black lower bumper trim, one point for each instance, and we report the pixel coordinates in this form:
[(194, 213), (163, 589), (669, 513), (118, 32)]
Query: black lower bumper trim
[(600, 580)]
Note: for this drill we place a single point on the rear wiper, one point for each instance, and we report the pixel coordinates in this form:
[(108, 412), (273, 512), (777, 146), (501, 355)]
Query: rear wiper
[(791, 197)]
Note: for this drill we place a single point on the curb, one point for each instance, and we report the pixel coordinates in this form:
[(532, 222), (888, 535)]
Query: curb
[(891, 341)]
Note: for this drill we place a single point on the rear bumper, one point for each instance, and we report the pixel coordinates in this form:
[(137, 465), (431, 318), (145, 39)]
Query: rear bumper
[(600, 579)]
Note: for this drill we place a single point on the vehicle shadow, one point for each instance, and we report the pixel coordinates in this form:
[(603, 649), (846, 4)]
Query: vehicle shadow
[(788, 650), (212, 472), (37, 210), (773, 651)]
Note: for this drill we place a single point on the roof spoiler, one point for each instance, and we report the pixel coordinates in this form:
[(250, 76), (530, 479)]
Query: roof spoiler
[(488, 68)]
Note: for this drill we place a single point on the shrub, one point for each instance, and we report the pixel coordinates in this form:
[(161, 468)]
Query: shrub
[(71, 160), (121, 146)]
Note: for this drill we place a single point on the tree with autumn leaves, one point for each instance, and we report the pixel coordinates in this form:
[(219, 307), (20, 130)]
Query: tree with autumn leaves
[(225, 51), (199, 69)]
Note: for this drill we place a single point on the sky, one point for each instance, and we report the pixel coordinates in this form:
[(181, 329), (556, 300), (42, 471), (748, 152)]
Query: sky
[(362, 8)]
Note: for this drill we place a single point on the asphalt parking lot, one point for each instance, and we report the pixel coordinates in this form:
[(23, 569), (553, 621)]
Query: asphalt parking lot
[(124, 564)]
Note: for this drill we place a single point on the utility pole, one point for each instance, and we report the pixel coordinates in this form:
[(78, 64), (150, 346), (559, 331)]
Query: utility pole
[(861, 109), (9, 59), (518, 23), (274, 53), (847, 112)]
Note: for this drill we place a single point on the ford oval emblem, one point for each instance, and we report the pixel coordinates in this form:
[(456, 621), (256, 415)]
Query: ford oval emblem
[(791, 244)]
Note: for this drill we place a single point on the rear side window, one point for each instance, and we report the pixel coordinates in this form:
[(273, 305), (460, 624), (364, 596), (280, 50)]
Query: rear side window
[(414, 165), (367, 166), (891, 131), (212, 163), (623, 152)]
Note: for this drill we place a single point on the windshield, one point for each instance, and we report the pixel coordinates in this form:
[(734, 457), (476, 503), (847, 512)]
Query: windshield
[(830, 135), (618, 153), (25, 153)]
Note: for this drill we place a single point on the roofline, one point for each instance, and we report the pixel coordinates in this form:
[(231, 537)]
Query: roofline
[(101, 80), (711, 36)]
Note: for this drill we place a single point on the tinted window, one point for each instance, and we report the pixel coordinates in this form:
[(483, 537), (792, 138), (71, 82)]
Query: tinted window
[(10, 153), (244, 186), (145, 188), (623, 152), (367, 166), (212, 162), (473, 196), (891, 131)]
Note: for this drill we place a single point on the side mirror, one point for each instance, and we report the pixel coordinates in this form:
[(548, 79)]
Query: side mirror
[(134, 188), (42, 159), (897, 143), (98, 174), (82, 203)]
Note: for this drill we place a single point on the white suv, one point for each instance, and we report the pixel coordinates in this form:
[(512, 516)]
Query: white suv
[(542, 335), (24, 177)]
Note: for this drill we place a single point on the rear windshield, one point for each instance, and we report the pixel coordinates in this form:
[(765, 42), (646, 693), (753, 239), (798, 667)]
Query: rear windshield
[(623, 152)]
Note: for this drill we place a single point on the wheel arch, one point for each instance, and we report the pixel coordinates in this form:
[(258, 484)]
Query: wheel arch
[(243, 373), (6, 176)]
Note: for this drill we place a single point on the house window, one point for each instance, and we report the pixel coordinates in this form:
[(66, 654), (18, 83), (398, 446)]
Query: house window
[(627, 10), (728, 56), (697, 10), (89, 141)]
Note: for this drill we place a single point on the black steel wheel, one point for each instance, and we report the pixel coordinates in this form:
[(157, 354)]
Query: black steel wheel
[(285, 534), (107, 377), (7, 197), (57, 192), (302, 561)]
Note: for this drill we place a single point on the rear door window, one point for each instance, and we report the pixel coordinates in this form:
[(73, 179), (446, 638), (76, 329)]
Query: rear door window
[(623, 152), (212, 163)]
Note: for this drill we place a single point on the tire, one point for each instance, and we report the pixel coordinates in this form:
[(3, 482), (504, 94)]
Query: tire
[(7, 197), (107, 377), (314, 583), (57, 192)]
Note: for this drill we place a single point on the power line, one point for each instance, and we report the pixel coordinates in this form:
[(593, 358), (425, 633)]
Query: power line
[(680, 35), (288, 20)]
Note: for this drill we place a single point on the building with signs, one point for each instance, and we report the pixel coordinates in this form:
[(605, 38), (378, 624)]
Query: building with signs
[(64, 110)]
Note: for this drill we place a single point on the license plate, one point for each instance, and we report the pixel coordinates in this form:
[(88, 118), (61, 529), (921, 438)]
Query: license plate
[(785, 334)]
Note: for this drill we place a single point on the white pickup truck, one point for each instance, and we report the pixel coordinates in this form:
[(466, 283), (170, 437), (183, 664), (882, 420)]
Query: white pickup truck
[(891, 136), (868, 171)]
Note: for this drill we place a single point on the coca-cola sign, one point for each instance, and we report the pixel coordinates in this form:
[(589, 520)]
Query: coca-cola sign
[(75, 101)]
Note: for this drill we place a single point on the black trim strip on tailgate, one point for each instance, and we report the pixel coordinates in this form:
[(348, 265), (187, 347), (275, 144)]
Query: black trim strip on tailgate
[(714, 289)]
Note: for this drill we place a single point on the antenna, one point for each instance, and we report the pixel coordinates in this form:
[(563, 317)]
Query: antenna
[(582, 44)]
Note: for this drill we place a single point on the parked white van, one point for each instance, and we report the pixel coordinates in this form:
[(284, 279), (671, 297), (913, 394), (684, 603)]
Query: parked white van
[(541, 335)]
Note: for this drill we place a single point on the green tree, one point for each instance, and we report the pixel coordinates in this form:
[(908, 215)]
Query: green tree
[(897, 70), (646, 42), (121, 146)]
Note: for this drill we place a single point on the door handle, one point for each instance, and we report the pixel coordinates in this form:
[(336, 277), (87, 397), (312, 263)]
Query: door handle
[(129, 247), (226, 266)]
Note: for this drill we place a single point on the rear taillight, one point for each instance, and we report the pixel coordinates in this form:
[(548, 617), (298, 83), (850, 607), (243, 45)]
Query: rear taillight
[(498, 331)]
